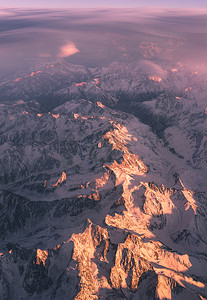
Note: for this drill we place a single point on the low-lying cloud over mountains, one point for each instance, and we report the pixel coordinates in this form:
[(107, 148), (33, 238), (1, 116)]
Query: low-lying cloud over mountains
[(99, 37)]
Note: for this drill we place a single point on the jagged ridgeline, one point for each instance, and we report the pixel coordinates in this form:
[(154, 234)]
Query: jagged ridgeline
[(95, 206)]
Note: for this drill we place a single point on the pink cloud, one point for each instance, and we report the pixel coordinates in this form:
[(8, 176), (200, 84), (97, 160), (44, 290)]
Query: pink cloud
[(68, 50)]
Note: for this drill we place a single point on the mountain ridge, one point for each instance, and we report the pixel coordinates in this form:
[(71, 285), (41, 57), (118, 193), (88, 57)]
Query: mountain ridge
[(104, 214)]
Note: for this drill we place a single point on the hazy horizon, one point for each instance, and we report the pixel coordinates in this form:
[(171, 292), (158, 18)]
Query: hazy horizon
[(106, 3), (100, 36)]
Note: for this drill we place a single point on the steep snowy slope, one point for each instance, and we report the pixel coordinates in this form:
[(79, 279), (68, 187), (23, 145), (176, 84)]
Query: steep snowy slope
[(95, 206)]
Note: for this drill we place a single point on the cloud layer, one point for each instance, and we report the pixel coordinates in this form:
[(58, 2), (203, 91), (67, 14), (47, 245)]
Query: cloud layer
[(101, 36)]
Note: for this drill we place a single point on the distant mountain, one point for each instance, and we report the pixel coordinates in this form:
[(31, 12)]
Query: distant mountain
[(173, 105)]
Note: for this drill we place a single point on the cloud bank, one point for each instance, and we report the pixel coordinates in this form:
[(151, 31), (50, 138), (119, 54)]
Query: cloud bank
[(101, 36)]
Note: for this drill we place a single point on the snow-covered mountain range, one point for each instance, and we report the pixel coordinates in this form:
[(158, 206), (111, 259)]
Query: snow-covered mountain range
[(103, 183)]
